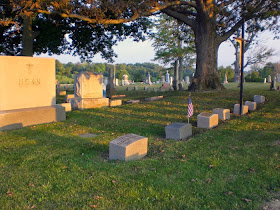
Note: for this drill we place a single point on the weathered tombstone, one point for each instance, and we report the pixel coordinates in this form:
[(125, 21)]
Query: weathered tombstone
[(264, 81), (273, 85), (252, 106), (207, 120), (148, 90), (128, 147), (123, 83), (28, 92), (68, 98), (145, 87), (153, 98), (128, 89), (110, 87), (187, 79), (88, 90), (115, 103), (268, 78), (135, 88), (236, 109), (157, 82), (259, 99), (149, 79), (154, 89), (178, 131), (171, 80), (167, 78), (57, 87), (162, 79), (133, 102), (225, 79), (224, 114), (125, 80), (117, 82)]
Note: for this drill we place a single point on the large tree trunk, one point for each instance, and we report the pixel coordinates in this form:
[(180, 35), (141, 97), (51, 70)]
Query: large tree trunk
[(27, 36), (207, 44), (176, 75)]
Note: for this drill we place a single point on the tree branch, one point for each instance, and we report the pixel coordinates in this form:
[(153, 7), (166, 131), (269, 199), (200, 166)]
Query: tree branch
[(179, 17), (106, 21)]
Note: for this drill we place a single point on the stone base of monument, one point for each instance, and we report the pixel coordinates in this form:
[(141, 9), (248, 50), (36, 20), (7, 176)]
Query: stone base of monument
[(224, 114), (259, 99), (68, 98), (89, 103), (178, 131), (115, 103), (67, 106), (252, 106), (128, 147), (236, 109), (207, 120), (14, 119)]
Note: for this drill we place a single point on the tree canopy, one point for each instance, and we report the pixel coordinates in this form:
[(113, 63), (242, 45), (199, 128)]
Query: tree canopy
[(213, 21)]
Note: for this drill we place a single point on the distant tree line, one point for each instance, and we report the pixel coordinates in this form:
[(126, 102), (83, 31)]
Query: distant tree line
[(136, 72), (256, 74)]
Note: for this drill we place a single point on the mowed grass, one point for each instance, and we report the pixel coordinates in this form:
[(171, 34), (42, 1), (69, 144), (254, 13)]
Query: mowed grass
[(234, 166)]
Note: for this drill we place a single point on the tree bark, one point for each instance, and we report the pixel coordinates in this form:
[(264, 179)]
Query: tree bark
[(207, 44), (27, 36), (176, 75)]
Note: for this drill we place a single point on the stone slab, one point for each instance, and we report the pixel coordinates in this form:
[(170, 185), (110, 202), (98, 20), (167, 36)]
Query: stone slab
[(178, 131), (89, 103), (68, 98), (128, 147), (118, 96), (67, 106), (153, 98), (236, 109), (88, 85), (19, 118), (252, 106), (207, 120), (26, 82), (115, 103), (259, 99), (224, 114), (133, 102)]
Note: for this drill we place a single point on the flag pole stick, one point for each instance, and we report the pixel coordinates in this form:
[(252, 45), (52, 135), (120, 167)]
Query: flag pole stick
[(188, 120)]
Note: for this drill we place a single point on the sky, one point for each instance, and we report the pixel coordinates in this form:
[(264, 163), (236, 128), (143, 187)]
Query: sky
[(129, 51)]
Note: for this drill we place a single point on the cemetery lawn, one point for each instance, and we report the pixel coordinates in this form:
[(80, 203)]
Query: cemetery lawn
[(234, 166)]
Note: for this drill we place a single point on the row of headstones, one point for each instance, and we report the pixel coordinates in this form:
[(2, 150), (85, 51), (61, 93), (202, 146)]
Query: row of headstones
[(134, 147), (164, 87)]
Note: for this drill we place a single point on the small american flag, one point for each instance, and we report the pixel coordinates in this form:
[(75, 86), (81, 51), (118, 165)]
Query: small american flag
[(190, 108)]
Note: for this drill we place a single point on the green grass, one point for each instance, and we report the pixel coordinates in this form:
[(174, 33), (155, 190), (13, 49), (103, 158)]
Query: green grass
[(234, 166)]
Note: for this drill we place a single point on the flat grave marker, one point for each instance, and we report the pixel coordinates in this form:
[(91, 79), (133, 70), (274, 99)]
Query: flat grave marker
[(128, 147)]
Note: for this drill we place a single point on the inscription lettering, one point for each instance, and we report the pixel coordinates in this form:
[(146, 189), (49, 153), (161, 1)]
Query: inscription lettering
[(29, 82)]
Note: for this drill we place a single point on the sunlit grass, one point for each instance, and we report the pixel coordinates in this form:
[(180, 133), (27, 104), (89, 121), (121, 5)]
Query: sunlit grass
[(234, 166)]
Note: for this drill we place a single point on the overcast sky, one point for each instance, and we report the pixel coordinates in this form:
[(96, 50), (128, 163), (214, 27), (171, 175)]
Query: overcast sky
[(139, 52)]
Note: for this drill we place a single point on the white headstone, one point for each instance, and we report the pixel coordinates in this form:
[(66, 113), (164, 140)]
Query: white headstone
[(167, 78)]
